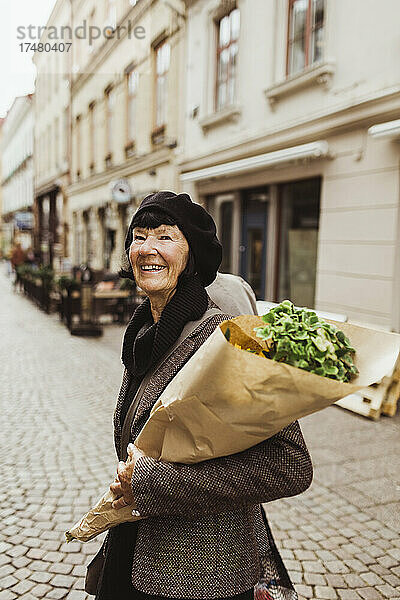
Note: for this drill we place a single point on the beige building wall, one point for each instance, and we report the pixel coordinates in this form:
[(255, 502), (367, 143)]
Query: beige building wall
[(359, 235), (52, 136), (352, 70), (17, 171), (146, 164), (336, 101), (2, 237)]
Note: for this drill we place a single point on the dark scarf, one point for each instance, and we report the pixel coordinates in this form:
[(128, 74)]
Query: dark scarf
[(142, 350)]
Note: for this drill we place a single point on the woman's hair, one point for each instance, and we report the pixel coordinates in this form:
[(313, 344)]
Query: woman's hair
[(151, 219)]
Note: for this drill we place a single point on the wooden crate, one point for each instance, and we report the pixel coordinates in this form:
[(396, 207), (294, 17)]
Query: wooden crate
[(379, 398)]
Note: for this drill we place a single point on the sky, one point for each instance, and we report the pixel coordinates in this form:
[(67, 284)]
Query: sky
[(16, 68)]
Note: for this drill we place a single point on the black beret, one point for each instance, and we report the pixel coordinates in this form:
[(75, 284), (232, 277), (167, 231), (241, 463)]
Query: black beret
[(197, 226)]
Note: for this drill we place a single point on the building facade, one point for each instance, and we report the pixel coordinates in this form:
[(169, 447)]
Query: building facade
[(126, 97), (291, 140), (2, 241), (17, 174), (52, 139)]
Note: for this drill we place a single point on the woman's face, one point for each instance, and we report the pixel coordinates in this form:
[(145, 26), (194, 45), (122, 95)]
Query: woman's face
[(158, 256)]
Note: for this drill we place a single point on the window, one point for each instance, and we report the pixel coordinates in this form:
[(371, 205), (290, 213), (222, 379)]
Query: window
[(92, 137), (306, 30), (253, 246), (66, 130), (78, 145), (110, 106), (49, 150), (57, 142), (112, 14), (226, 227), (92, 23), (162, 65), (132, 79), (299, 204), (227, 51), (56, 74), (76, 238)]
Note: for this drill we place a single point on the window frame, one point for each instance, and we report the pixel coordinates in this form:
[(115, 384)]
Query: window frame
[(160, 127), (218, 50), (110, 114), (92, 135), (131, 136), (111, 16), (78, 141), (56, 142), (309, 32)]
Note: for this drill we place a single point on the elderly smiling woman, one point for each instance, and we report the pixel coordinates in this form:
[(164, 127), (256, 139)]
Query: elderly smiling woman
[(205, 535)]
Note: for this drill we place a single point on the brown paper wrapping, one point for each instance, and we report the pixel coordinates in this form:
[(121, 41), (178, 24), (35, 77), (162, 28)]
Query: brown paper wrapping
[(225, 400), (99, 519)]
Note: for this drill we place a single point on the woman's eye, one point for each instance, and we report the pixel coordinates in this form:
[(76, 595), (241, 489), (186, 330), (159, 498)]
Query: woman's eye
[(165, 237), (139, 237)]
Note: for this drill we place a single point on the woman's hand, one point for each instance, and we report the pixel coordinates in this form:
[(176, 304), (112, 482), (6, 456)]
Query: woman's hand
[(122, 484)]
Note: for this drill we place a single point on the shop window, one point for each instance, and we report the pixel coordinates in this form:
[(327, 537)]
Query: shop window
[(253, 248), (86, 237), (226, 227), (298, 240), (305, 34), (109, 245)]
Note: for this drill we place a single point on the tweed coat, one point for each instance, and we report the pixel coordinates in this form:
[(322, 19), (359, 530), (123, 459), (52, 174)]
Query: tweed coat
[(204, 536)]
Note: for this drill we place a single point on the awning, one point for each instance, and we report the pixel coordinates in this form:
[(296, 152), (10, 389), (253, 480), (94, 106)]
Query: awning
[(313, 150), (390, 129)]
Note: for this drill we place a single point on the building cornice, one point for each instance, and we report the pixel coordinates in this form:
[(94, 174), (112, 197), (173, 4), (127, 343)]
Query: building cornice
[(384, 106), (51, 184), (128, 168), (21, 108), (23, 165)]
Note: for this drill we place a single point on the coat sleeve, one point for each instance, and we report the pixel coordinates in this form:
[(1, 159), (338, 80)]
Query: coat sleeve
[(276, 468)]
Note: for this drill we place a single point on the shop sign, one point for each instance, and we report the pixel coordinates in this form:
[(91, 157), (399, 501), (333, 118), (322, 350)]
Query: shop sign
[(23, 220)]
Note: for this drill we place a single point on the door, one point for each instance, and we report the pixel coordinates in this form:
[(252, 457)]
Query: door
[(253, 246)]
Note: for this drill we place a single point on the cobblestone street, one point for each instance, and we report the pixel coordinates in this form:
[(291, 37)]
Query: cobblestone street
[(340, 539)]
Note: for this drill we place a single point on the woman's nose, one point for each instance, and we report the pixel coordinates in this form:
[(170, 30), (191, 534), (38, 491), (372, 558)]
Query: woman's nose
[(147, 247)]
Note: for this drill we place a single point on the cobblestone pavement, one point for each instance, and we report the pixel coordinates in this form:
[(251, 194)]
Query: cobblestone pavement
[(338, 540)]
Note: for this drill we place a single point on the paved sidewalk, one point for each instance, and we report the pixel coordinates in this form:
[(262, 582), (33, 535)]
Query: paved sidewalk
[(339, 539)]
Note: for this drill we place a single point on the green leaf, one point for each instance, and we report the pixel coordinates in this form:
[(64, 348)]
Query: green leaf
[(268, 318), (297, 336)]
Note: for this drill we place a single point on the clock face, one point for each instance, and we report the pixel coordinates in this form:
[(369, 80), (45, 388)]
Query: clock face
[(121, 191)]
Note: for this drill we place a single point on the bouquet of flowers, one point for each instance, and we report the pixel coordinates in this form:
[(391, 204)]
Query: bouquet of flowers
[(251, 378)]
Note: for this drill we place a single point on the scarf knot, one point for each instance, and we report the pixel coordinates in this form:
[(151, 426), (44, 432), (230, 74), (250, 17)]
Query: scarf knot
[(145, 342)]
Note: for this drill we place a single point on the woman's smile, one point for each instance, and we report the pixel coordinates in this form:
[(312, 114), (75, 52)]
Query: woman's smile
[(152, 268), (158, 256)]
